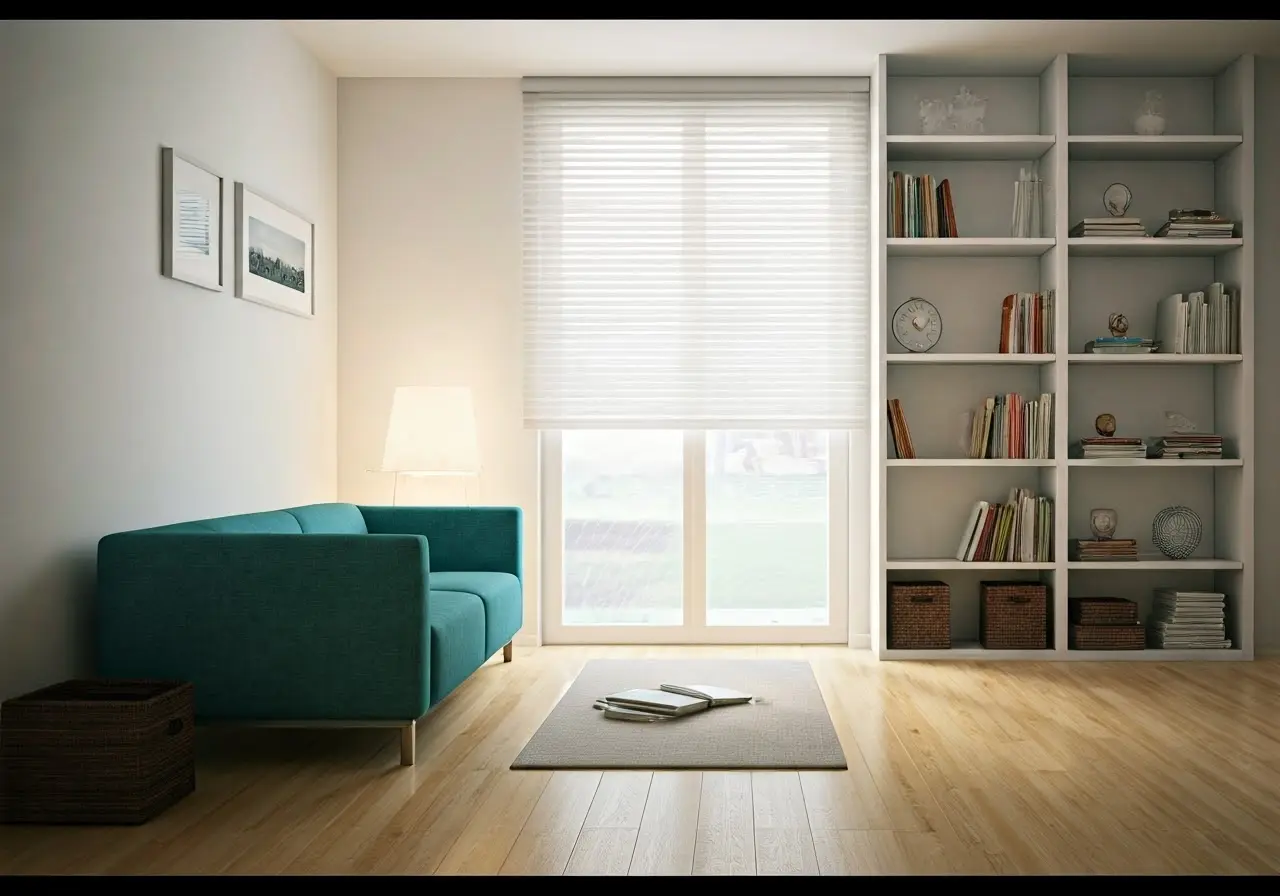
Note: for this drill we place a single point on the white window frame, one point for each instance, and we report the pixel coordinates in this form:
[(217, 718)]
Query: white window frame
[(695, 629)]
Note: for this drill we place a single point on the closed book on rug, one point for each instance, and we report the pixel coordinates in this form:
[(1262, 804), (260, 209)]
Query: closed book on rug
[(713, 694), (657, 701)]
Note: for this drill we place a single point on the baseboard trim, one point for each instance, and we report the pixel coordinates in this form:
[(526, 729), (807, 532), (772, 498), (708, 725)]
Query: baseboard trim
[(860, 642)]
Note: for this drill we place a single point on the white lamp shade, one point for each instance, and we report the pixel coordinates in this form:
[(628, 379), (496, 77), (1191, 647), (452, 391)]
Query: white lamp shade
[(432, 431)]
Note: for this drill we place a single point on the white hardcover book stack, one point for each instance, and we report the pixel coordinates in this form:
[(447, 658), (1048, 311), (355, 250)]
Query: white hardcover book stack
[(1188, 620), (1109, 227)]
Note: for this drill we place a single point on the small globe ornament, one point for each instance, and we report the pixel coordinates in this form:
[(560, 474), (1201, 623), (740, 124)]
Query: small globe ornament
[(1103, 522), (1118, 324), (1176, 531), (1105, 424)]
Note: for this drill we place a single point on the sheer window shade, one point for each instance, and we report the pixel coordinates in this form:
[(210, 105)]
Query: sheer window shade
[(696, 260)]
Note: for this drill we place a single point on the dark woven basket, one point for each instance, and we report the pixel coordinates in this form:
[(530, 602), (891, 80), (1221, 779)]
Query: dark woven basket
[(1108, 637), (96, 752), (1102, 611), (1014, 615), (919, 615)]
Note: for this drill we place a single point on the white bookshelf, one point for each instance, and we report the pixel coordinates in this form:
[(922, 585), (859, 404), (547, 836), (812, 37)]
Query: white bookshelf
[(1073, 116)]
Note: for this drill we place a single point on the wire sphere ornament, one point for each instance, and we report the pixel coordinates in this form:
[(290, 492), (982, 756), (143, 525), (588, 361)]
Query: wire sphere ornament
[(1176, 531)]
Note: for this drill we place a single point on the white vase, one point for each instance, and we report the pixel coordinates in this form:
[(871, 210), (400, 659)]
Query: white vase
[(1149, 125)]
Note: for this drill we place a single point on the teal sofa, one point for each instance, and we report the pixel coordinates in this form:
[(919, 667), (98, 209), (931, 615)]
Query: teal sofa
[(329, 613)]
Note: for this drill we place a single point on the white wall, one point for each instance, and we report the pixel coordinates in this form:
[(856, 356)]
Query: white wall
[(429, 173), (128, 399), (429, 274)]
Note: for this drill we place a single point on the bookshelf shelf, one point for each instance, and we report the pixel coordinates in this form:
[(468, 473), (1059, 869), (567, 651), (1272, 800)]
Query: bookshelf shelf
[(1123, 246), (970, 246), (970, 462), (1144, 565), (1153, 462), (952, 563), (1154, 358), (969, 358), (1071, 116), (1165, 148), (968, 147)]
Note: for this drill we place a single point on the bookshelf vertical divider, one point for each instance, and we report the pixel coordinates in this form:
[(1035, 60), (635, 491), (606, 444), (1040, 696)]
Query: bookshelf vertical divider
[(1072, 116)]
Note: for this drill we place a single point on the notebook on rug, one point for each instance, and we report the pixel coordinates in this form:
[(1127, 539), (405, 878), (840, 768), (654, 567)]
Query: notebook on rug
[(714, 695), (657, 702)]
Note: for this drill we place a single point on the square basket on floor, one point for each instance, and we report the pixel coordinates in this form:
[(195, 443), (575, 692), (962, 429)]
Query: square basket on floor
[(1014, 615), (1129, 636), (96, 752), (919, 615)]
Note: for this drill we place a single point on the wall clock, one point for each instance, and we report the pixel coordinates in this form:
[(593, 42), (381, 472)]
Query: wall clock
[(917, 325)]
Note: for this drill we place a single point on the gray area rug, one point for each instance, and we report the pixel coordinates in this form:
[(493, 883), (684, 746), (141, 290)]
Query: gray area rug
[(790, 729)]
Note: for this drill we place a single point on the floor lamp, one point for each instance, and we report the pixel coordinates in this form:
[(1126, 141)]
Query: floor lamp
[(431, 432)]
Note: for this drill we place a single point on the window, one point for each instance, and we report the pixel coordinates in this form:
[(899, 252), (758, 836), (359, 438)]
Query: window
[(696, 311)]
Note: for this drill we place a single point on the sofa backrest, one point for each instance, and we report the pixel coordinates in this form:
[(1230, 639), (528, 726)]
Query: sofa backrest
[(324, 519)]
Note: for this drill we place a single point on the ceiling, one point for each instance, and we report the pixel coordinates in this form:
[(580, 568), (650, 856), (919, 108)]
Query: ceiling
[(507, 48)]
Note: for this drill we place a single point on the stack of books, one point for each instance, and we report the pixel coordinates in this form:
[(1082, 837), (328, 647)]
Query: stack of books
[(1109, 227), (1196, 223), (1018, 531), (1204, 321), (902, 444), (1026, 323), (1121, 345), (1112, 446), (1188, 446), (670, 701), (1106, 549), (919, 207), (1009, 426), (1186, 620)]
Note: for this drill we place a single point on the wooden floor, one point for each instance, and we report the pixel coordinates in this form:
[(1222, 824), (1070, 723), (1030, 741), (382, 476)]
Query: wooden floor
[(953, 768)]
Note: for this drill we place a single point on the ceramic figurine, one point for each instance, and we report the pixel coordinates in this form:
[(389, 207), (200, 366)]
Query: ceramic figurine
[(1105, 424), (1118, 324), (1103, 522)]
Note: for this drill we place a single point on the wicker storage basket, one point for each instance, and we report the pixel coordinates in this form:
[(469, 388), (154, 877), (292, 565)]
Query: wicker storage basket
[(1132, 636), (96, 752), (1102, 611), (1014, 616), (919, 615)]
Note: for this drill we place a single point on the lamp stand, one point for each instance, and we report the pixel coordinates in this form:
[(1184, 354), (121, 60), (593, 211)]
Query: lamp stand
[(466, 491)]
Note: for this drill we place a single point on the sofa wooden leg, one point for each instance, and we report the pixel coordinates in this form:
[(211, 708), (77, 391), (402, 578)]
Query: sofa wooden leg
[(506, 652), (408, 744)]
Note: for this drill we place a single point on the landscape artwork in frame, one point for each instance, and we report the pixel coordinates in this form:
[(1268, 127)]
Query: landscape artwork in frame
[(273, 254), (190, 221)]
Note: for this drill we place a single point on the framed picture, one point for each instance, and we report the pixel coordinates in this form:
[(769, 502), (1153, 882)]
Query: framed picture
[(273, 254), (190, 221)]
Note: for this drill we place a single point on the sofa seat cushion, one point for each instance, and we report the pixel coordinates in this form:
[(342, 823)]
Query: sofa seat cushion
[(457, 639), (330, 519), (503, 602)]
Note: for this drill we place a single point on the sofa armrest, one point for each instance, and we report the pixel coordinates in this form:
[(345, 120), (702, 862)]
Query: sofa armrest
[(270, 627), (471, 539)]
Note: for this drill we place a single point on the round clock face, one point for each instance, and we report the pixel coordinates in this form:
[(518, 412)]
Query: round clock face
[(917, 325)]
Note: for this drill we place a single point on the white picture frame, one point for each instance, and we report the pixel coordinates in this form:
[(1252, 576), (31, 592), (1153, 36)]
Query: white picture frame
[(190, 221), (274, 264)]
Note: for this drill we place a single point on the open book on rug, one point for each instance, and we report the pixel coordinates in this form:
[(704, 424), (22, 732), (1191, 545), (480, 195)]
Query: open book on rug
[(667, 702)]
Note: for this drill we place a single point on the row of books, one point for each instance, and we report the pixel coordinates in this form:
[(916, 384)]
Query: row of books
[(1018, 531), (1108, 227), (1112, 446), (1026, 323), (1100, 550), (1188, 620), (1204, 321), (1010, 426), (920, 207), (1196, 223), (1188, 446), (902, 445)]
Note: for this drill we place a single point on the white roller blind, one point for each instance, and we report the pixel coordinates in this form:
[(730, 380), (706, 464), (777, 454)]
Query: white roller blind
[(696, 260)]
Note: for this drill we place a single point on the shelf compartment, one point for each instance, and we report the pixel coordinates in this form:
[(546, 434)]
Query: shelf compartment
[(1164, 148), (952, 563), (972, 246), (1140, 565), (971, 462), (1154, 358), (968, 358), (967, 147), (1122, 246)]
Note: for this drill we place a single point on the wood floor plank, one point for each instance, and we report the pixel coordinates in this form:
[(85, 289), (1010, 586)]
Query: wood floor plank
[(669, 828), (725, 841), (954, 768)]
